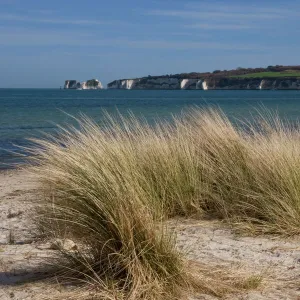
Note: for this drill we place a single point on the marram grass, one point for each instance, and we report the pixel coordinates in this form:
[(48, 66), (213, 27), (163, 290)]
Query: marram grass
[(109, 188)]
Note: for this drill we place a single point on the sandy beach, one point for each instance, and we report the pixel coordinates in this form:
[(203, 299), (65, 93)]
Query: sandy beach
[(274, 258)]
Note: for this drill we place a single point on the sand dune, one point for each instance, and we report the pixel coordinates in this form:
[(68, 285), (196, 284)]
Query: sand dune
[(276, 259)]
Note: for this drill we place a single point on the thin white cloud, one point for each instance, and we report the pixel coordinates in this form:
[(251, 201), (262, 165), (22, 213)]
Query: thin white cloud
[(51, 38), (183, 45), (220, 16), (41, 11), (220, 26), (189, 33), (245, 9), (21, 18), (210, 14)]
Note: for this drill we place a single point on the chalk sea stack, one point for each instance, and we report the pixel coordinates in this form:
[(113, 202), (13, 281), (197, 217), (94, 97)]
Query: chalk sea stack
[(91, 84)]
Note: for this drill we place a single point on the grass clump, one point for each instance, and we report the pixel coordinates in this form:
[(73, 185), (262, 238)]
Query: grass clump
[(109, 188), (87, 183)]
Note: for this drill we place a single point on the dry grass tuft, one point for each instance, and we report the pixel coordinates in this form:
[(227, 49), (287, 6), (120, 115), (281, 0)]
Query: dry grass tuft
[(90, 199), (109, 188)]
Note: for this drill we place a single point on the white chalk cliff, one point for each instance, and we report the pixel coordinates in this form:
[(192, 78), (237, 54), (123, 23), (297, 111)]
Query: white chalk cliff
[(92, 84), (222, 83), (160, 83), (71, 84)]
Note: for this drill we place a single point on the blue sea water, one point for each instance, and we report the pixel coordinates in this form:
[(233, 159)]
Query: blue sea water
[(26, 113)]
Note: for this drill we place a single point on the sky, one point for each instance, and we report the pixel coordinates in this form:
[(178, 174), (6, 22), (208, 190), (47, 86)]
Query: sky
[(43, 43)]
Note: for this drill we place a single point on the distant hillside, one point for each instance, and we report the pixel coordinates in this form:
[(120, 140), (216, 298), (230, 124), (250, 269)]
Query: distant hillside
[(272, 77), (270, 71)]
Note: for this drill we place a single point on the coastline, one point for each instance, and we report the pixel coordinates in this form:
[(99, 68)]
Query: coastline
[(209, 242)]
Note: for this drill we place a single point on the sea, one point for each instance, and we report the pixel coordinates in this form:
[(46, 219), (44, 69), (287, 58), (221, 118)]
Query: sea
[(32, 113)]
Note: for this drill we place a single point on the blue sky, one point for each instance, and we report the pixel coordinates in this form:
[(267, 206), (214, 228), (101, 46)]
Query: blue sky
[(42, 43)]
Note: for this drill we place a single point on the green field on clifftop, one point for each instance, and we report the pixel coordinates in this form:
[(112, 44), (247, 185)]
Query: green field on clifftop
[(288, 73)]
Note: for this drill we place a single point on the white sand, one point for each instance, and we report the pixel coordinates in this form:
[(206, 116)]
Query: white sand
[(276, 259)]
